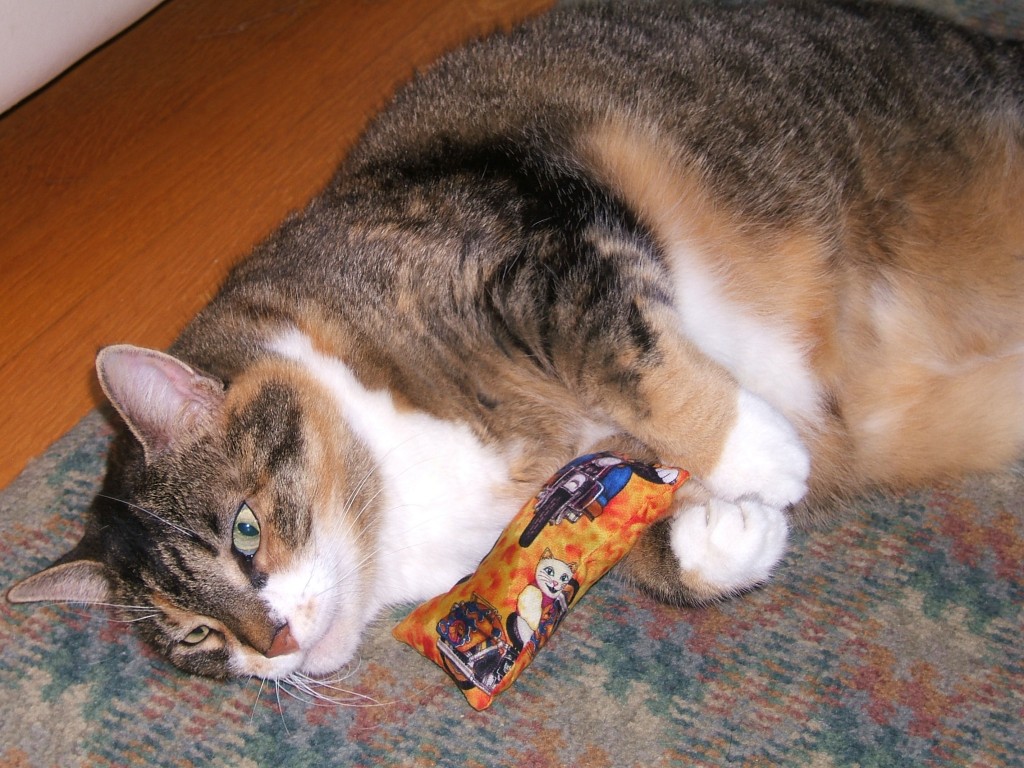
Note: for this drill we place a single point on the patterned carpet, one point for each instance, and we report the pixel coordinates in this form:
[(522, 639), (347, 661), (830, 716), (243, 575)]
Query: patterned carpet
[(894, 639)]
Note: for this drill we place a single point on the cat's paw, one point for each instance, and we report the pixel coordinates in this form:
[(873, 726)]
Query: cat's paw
[(724, 548), (763, 457)]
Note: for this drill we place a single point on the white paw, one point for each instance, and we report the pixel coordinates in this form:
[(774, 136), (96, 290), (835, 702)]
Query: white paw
[(762, 458), (729, 547)]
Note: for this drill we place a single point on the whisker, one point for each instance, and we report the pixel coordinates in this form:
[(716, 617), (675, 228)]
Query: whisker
[(152, 615), (311, 691), (135, 620), (154, 515), (280, 707), (72, 608), (123, 607), (339, 675), (255, 703), (311, 697)]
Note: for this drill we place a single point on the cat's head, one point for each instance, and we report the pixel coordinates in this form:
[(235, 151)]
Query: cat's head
[(236, 524), (553, 575)]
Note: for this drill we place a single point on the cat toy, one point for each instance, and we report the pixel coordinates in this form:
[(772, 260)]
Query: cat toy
[(488, 628)]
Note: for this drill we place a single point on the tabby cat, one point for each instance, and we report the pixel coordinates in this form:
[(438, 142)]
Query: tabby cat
[(778, 244)]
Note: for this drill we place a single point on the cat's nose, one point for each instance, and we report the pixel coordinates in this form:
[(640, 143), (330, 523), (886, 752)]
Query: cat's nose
[(283, 643)]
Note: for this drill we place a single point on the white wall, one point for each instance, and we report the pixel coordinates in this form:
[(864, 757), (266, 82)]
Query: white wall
[(39, 39)]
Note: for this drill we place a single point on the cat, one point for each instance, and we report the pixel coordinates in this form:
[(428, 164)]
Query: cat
[(778, 244), (543, 602)]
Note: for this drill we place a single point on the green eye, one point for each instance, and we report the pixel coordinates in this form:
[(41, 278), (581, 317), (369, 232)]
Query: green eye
[(196, 636), (245, 533)]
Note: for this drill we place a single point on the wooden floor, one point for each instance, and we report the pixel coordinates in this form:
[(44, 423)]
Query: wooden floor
[(131, 184)]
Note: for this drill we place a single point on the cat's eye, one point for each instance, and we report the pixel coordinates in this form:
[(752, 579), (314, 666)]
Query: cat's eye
[(245, 533), (196, 636)]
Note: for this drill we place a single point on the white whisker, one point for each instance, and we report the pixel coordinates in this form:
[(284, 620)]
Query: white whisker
[(154, 515), (123, 607), (152, 615), (149, 611), (280, 707), (135, 620), (311, 690), (255, 703)]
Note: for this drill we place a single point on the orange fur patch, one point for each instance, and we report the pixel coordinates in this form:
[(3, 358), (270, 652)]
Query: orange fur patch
[(913, 323)]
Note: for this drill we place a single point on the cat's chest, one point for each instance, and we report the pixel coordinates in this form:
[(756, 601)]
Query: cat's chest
[(439, 507)]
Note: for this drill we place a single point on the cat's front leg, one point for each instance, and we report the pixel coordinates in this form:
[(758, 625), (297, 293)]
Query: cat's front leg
[(730, 531), (724, 548), (762, 457), (750, 462), (709, 550), (732, 542), (692, 413)]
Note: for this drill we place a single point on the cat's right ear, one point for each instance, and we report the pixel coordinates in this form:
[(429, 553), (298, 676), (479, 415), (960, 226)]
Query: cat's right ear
[(163, 401), (75, 581)]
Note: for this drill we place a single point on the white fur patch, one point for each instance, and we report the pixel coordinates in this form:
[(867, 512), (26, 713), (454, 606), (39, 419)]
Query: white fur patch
[(729, 547), (764, 357), (763, 457), (441, 516)]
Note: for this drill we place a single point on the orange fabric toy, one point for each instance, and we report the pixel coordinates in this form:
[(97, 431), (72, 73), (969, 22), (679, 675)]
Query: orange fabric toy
[(489, 626)]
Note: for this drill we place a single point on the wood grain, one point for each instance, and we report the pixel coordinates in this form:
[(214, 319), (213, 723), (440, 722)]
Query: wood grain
[(130, 185)]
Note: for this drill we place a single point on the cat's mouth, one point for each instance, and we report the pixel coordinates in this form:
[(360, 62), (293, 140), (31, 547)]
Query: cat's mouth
[(318, 648), (313, 658), (552, 588), (324, 618)]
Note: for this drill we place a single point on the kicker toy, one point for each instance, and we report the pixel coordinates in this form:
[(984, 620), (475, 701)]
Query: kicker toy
[(490, 625)]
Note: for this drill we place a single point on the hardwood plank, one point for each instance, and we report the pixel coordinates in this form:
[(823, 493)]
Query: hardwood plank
[(131, 184)]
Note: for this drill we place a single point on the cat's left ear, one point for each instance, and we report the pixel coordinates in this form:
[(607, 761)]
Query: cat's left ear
[(76, 581), (163, 401)]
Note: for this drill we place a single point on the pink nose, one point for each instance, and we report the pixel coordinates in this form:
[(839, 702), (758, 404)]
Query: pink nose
[(282, 644)]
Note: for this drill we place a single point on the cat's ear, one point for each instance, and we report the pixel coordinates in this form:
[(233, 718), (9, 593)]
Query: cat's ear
[(77, 581), (162, 400)]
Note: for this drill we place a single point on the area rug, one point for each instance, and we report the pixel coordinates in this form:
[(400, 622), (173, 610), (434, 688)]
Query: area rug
[(891, 639), (894, 638)]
